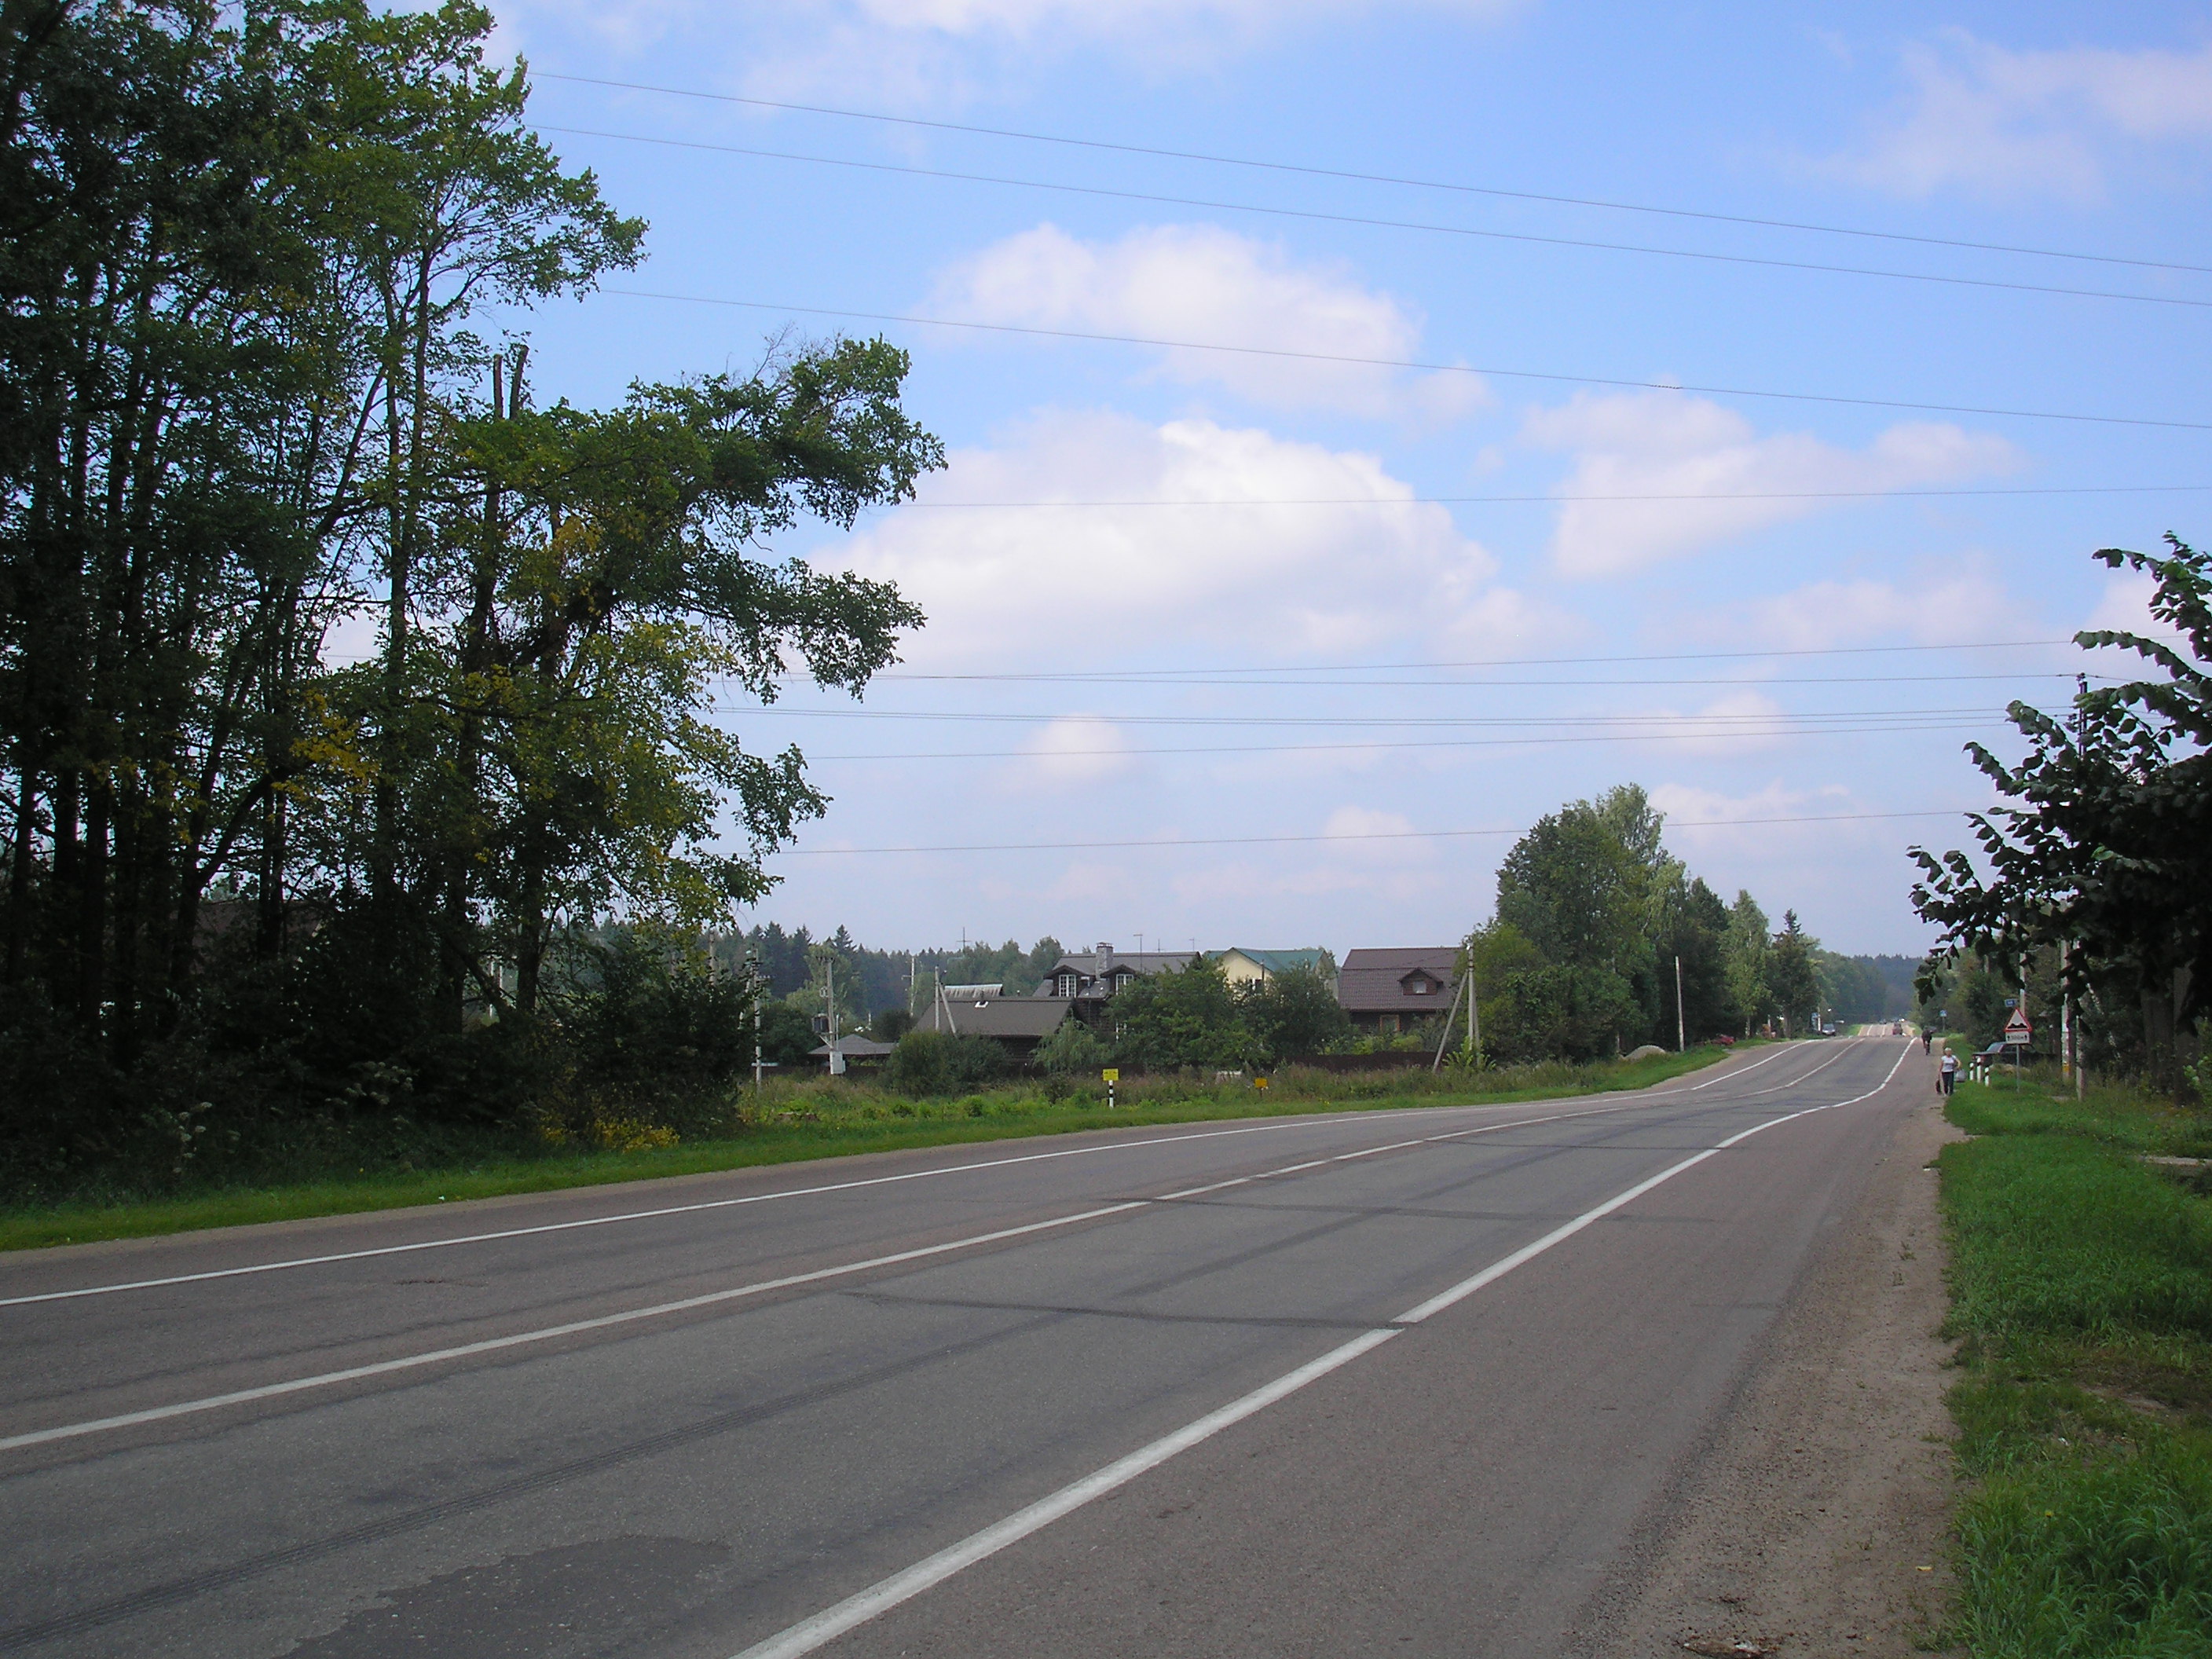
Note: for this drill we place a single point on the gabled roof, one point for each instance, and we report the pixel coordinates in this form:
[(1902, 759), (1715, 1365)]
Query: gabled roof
[(857, 1048), (1093, 964), (995, 1017), (1281, 962), (1373, 982)]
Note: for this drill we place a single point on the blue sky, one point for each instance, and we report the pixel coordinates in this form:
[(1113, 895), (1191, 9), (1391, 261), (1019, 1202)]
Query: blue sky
[(1287, 550)]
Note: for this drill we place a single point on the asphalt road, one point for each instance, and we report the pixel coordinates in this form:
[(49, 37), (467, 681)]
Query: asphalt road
[(1412, 1382)]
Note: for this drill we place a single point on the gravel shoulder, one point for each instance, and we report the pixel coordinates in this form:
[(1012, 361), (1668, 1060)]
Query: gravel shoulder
[(1814, 1520)]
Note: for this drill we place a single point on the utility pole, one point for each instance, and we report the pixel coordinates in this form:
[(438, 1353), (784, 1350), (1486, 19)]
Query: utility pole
[(1443, 1040), (1681, 1027), (829, 977), (760, 991)]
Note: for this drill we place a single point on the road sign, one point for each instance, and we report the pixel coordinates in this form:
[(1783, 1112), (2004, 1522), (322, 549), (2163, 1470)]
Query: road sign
[(1111, 1074), (2017, 1029)]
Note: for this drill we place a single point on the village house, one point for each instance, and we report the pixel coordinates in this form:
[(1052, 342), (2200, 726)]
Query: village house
[(1088, 978), (1018, 1024), (1394, 990), (1241, 966)]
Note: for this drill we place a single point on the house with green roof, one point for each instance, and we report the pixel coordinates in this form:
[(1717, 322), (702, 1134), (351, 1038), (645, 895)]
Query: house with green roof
[(1245, 967)]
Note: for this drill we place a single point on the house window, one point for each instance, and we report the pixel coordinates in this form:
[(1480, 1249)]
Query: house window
[(1387, 1023), (1421, 988), (1122, 981), (1067, 985)]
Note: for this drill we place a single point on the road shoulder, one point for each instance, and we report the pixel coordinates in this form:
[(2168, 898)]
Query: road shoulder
[(1814, 1519)]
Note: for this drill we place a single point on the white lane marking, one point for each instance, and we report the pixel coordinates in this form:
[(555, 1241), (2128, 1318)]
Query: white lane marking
[(1313, 1120), (1496, 1270), (649, 1215), (1804, 1077), (1785, 1049), (825, 1627), (833, 1622), (493, 1345)]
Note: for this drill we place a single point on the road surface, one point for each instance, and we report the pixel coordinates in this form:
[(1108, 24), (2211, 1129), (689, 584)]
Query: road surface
[(1406, 1382)]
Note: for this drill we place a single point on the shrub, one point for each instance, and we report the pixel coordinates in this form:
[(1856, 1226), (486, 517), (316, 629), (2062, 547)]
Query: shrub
[(934, 1063), (1072, 1050)]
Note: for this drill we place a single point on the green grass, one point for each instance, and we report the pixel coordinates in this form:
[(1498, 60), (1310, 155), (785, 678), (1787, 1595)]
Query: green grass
[(2081, 1282), (796, 1122)]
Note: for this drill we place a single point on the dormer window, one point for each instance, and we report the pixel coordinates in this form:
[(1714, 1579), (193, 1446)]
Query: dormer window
[(1067, 985)]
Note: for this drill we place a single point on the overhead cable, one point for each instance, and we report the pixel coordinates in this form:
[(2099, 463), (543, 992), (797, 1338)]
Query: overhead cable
[(1140, 675), (1097, 338), (1778, 726), (1370, 835), (1347, 175), (1552, 497), (1368, 221)]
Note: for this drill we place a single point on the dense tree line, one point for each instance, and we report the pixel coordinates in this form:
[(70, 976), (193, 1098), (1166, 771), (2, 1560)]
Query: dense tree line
[(243, 406), (2094, 879), (1593, 916)]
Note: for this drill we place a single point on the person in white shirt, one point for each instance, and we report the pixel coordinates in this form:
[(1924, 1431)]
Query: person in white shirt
[(1950, 1082)]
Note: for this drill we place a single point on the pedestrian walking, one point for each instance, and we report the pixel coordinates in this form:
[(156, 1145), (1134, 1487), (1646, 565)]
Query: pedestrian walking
[(1950, 1084)]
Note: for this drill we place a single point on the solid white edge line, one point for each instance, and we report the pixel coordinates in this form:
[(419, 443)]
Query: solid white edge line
[(811, 1633), (520, 1339), (1310, 1121)]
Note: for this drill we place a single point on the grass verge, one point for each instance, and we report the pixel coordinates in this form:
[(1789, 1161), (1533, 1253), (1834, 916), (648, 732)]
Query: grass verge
[(793, 1122), (2081, 1291)]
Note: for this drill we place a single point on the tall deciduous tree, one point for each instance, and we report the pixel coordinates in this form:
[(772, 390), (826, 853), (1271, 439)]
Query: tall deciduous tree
[(2104, 851), (241, 251)]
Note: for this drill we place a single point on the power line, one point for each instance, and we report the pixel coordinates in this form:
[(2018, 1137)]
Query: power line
[(1095, 337), (1389, 179), (1708, 495), (1762, 718), (1271, 840), (999, 717), (1368, 221), (1164, 676), (1776, 728), (1143, 675)]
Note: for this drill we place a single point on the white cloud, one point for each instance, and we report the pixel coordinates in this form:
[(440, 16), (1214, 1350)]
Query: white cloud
[(935, 50), (1707, 820), (1734, 723), (1130, 20), (1092, 585), (2001, 122), (1964, 604), (1076, 749), (1202, 283), (1371, 837), (1665, 444)]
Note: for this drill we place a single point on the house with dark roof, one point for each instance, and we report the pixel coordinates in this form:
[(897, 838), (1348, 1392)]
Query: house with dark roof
[(857, 1051), (1018, 1024), (1387, 991), (1090, 977)]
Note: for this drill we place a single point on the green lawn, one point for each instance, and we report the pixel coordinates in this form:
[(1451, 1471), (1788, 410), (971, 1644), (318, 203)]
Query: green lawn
[(796, 1122), (2081, 1287)]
